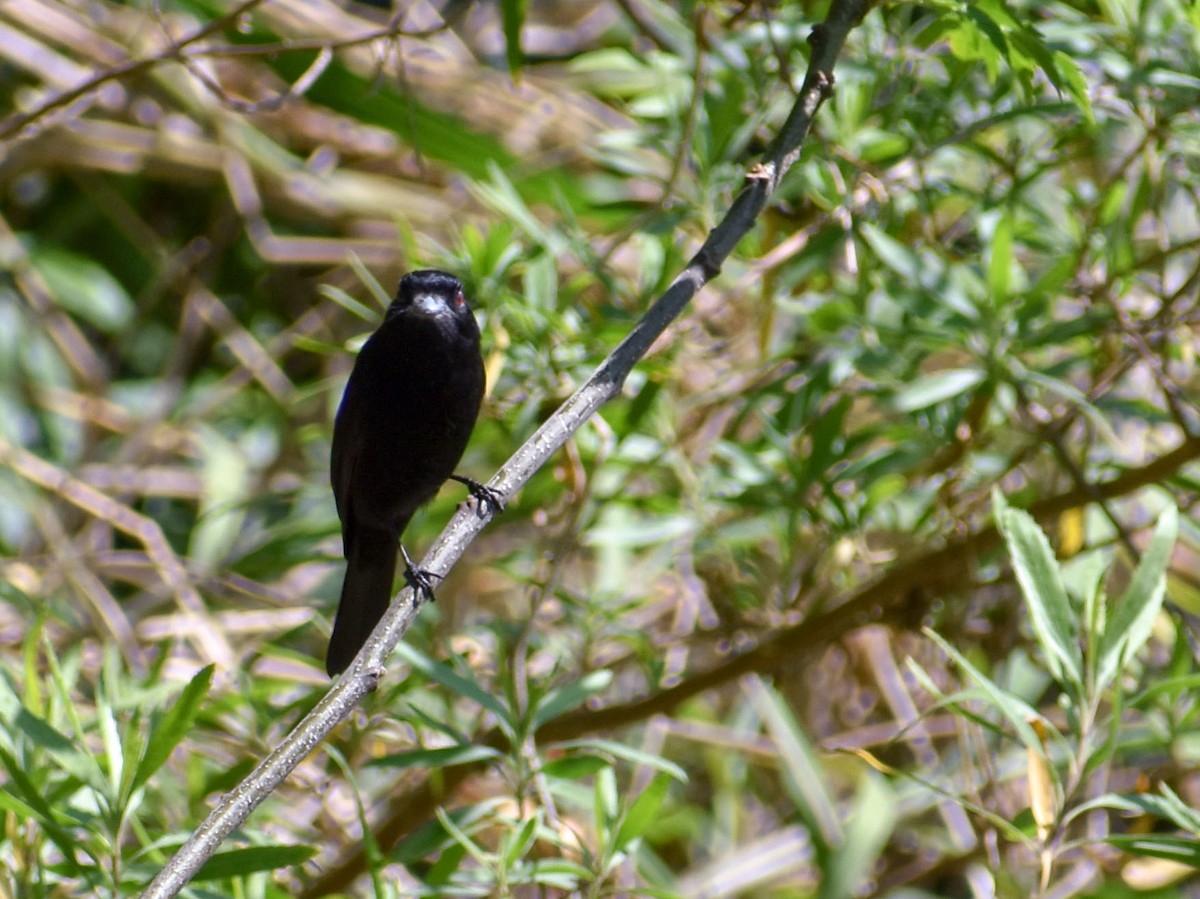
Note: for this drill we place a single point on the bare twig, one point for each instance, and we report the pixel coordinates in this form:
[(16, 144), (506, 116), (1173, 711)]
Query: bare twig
[(15, 124), (364, 673), (184, 51)]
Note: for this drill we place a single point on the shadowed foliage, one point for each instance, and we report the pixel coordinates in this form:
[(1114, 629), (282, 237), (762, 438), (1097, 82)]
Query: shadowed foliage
[(767, 625)]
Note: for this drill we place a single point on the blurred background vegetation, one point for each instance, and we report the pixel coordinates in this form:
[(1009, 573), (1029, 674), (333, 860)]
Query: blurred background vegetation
[(755, 631)]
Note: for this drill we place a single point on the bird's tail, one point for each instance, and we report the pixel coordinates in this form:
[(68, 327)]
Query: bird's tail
[(366, 592)]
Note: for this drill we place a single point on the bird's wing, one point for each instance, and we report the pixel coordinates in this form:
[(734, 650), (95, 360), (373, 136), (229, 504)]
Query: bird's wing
[(347, 446)]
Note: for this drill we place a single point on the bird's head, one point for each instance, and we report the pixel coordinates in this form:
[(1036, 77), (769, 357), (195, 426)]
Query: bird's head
[(430, 292)]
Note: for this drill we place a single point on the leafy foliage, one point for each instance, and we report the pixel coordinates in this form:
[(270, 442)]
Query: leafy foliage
[(767, 627)]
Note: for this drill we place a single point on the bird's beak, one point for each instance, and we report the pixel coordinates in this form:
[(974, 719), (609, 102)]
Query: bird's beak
[(430, 303)]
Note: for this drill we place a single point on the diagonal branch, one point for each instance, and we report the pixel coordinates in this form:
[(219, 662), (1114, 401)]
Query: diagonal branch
[(365, 672)]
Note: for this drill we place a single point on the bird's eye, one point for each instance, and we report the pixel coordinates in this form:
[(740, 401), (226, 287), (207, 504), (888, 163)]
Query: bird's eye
[(459, 299)]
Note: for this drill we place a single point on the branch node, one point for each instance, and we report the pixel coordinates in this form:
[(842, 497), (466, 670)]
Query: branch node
[(816, 37), (825, 83), (709, 264), (372, 677), (760, 172)]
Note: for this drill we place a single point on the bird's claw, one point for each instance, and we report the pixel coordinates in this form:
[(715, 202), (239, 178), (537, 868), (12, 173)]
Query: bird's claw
[(420, 579), (487, 500)]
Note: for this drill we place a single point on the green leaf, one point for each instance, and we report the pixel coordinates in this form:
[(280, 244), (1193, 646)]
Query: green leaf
[(1000, 265), (1166, 805), (223, 502), (628, 754), (1070, 393), (642, 814), (936, 388), (567, 877), (1083, 576), (1170, 806), (575, 767), (461, 837), (893, 254), (512, 15), (558, 702), (505, 199), (456, 683), (382, 298), (110, 736), (1134, 613), (517, 843), (433, 839), (73, 758), (977, 38), (868, 828), (1054, 621), (1015, 710), (438, 758), (174, 726), (805, 781), (347, 302), (1173, 687), (240, 862), (1074, 83), (84, 288), (25, 787), (605, 801), (133, 747), (1114, 202), (27, 792), (42, 733), (457, 737), (1177, 849), (11, 803)]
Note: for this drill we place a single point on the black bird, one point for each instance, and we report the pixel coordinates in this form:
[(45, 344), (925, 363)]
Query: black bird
[(409, 408)]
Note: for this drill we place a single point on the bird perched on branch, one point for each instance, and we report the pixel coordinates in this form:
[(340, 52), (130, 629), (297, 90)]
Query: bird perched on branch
[(409, 408)]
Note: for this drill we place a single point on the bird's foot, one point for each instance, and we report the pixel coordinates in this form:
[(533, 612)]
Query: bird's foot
[(485, 497), (420, 579)]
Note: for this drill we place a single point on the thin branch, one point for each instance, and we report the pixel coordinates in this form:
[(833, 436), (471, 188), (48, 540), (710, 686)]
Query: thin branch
[(365, 672), (133, 67), (183, 52)]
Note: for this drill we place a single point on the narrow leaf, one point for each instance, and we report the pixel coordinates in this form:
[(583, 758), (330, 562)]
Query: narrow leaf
[(1001, 263), (27, 792), (575, 767), (1018, 712), (438, 758), (240, 862), (868, 827), (1177, 849), (937, 388), (803, 777), (642, 813), (74, 759), (452, 680), (517, 843), (512, 14), (629, 754), (559, 702), (1054, 621), (1133, 616), (174, 726)]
